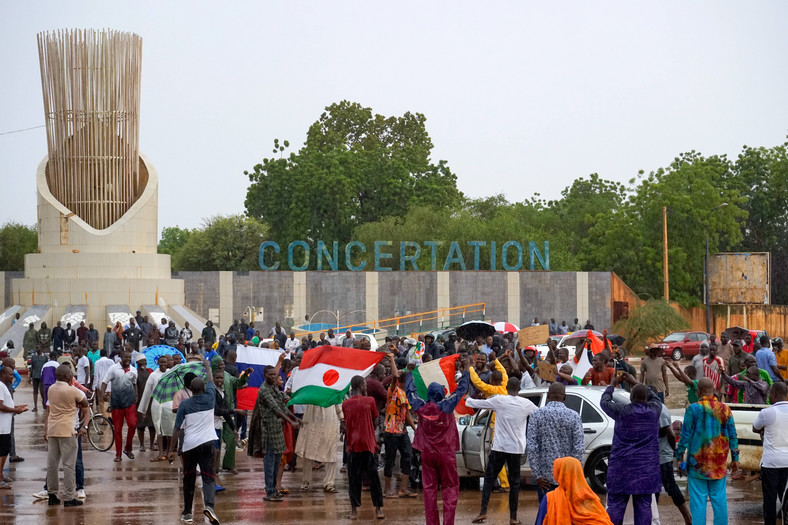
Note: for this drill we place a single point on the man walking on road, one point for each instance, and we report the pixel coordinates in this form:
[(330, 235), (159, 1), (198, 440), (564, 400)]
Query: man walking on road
[(633, 468), (772, 424), (361, 413), (123, 378), (195, 419), (708, 433), (64, 401), (437, 440), (508, 445), (554, 431)]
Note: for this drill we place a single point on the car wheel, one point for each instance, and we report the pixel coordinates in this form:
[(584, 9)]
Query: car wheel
[(677, 354), (596, 470)]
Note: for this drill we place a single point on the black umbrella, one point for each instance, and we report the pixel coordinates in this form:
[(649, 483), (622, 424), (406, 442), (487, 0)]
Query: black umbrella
[(473, 329), (616, 339)]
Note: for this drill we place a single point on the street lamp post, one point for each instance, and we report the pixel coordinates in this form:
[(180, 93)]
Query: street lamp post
[(706, 270)]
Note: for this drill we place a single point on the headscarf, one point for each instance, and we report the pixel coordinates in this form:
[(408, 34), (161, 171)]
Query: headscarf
[(573, 501), (215, 362)]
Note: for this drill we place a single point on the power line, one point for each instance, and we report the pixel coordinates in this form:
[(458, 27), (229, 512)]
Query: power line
[(21, 130)]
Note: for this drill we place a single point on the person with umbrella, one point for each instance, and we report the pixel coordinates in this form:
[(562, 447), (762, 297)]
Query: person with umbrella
[(195, 420), (149, 405)]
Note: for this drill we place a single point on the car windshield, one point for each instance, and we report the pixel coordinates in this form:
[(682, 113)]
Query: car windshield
[(676, 336)]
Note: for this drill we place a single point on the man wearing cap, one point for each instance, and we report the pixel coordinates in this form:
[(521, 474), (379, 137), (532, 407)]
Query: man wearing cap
[(144, 419)]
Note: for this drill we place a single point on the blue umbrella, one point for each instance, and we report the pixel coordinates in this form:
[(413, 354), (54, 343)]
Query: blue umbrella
[(152, 353)]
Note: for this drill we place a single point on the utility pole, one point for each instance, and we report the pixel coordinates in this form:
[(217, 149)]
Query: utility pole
[(666, 291)]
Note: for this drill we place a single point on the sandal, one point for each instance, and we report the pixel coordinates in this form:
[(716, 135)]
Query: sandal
[(406, 495), (160, 458), (283, 492), (332, 490), (117, 459), (129, 454), (5, 486)]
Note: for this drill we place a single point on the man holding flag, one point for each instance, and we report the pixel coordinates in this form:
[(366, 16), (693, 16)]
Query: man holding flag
[(436, 436)]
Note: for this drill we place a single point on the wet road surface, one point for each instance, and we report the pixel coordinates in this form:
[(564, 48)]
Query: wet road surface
[(141, 492)]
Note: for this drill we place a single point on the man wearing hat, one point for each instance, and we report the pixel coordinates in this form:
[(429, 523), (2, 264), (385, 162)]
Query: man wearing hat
[(144, 419)]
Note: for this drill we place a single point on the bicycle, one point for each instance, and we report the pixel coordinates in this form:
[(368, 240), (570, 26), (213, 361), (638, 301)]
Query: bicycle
[(101, 433)]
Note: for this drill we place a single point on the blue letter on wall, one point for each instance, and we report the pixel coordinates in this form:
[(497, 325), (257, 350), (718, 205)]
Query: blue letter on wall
[(433, 253), (348, 258), (476, 245), (331, 260), (534, 253), (379, 255), (505, 260), (412, 259), (261, 257), (290, 249), (454, 257)]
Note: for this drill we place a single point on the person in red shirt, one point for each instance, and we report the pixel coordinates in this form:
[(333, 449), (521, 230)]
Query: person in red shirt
[(600, 374), (361, 413)]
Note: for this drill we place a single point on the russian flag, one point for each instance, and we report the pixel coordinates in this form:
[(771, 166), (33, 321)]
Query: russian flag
[(256, 359)]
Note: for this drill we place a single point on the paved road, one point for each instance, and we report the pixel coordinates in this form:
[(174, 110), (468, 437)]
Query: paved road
[(141, 492)]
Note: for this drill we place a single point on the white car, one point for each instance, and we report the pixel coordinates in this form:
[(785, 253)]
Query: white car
[(373, 343), (475, 435)]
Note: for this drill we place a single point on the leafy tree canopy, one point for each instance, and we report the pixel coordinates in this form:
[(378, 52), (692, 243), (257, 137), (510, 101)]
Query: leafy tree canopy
[(355, 167), (16, 240), (222, 244)]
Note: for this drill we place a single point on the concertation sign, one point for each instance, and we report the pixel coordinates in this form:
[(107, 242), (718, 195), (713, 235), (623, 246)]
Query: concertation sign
[(507, 256)]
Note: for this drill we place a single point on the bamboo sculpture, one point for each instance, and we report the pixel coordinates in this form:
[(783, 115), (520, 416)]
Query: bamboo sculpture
[(91, 85)]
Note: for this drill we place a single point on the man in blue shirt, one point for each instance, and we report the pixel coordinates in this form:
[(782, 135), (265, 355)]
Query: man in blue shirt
[(766, 359)]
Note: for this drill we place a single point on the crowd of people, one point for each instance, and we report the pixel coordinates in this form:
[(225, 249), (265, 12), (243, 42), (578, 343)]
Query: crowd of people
[(371, 426)]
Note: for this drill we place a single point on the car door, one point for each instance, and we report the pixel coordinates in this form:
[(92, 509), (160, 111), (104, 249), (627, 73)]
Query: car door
[(472, 439), (594, 423)]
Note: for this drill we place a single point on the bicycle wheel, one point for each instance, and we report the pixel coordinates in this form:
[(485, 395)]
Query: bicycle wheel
[(101, 433)]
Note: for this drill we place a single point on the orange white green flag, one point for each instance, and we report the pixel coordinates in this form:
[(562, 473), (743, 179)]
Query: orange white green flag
[(323, 378)]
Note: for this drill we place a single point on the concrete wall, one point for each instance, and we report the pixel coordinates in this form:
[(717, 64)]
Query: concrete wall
[(358, 296)]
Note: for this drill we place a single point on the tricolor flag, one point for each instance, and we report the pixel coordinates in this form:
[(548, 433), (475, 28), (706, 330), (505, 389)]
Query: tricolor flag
[(256, 359), (596, 344), (439, 371), (323, 378), (580, 367)]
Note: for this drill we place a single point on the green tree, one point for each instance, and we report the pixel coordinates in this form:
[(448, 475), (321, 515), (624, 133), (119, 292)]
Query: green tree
[(355, 167), (223, 243), (173, 239), (648, 323), (16, 241), (761, 174), (628, 240)]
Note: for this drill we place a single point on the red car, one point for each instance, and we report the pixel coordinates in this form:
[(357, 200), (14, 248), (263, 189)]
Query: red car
[(682, 344)]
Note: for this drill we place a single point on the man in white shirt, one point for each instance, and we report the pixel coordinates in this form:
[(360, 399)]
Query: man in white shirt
[(123, 378), (196, 420), (163, 326), (7, 412), (99, 372), (291, 345), (772, 424), (511, 417), (155, 407), (83, 368)]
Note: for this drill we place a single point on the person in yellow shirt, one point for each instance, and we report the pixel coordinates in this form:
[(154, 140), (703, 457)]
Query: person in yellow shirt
[(496, 386), (782, 357)]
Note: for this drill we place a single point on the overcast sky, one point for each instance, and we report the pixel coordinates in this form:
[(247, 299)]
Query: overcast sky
[(520, 97)]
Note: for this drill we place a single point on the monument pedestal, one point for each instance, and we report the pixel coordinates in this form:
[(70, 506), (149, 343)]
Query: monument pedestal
[(78, 264)]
